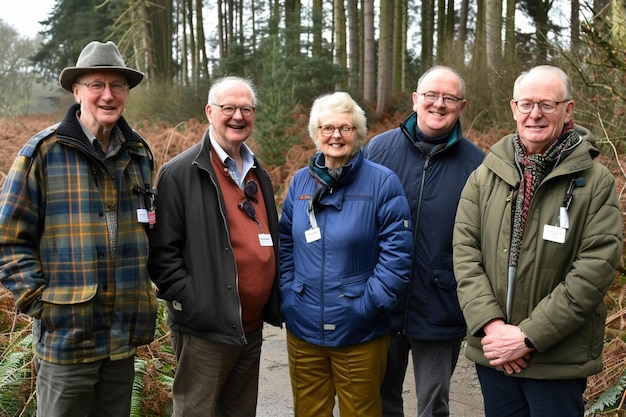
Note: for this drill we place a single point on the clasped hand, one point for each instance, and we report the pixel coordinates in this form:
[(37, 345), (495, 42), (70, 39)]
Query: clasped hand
[(504, 346)]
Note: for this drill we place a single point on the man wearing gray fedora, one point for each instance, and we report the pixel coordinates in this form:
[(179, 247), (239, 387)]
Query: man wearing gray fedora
[(75, 211)]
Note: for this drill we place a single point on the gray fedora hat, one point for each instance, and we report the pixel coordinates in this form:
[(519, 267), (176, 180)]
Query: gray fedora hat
[(98, 56)]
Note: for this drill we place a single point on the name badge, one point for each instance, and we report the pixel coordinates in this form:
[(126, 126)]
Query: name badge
[(313, 234), (142, 216), (554, 233), (265, 239)]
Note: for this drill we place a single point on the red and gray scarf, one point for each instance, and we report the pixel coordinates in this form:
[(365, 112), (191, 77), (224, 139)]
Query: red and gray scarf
[(534, 168)]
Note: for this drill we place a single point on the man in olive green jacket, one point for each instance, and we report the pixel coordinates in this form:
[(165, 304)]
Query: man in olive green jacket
[(537, 239)]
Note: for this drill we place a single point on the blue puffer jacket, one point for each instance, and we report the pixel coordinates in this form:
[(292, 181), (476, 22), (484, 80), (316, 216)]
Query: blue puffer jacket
[(339, 290), (433, 185)]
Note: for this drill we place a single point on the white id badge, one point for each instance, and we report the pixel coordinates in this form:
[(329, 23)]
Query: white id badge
[(142, 216), (554, 233), (265, 239), (563, 218), (313, 234)]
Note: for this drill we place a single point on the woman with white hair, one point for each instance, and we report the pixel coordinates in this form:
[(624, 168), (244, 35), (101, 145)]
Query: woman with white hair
[(345, 258)]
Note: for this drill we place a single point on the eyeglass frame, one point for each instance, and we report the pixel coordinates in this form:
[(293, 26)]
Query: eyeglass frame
[(448, 99), (242, 109), (539, 104), (345, 131), (116, 87), (248, 208)]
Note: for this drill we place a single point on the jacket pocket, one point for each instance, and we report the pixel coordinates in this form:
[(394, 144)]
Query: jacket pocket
[(291, 298), (443, 301), (353, 293), (68, 325), (72, 277)]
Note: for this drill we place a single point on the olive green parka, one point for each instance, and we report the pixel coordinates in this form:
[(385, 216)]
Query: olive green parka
[(559, 287)]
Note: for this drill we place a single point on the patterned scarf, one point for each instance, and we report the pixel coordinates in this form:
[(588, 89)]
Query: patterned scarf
[(534, 167), (328, 178)]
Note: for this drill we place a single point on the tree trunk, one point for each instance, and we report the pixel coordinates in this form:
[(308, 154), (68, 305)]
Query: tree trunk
[(369, 53), (618, 26), (221, 29), (384, 56), (292, 27), (353, 49), (575, 27), (317, 16), (602, 15), (509, 35), (462, 37), (428, 33), (184, 56), (398, 44), (203, 61), (192, 50), (441, 33), (493, 42), (339, 57), (160, 14)]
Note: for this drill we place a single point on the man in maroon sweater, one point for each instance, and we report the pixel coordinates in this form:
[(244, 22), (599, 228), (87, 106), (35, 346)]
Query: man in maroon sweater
[(213, 257)]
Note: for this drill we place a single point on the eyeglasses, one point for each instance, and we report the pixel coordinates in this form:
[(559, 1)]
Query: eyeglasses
[(448, 101), (248, 208), (329, 130), (97, 87), (228, 110), (545, 106)]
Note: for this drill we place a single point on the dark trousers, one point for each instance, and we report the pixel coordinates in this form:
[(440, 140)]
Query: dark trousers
[(507, 396), (433, 366), (215, 379), (95, 389)]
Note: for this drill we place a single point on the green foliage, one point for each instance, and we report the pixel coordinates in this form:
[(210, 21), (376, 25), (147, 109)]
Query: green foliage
[(599, 80), (283, 83), (168, 103), (16, 77), (154, 371), (71, 26), (15, 375), (609, 399), (138, 386)]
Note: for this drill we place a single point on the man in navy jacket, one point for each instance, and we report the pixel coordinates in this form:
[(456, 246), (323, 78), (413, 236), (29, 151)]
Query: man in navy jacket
[(433, 160)]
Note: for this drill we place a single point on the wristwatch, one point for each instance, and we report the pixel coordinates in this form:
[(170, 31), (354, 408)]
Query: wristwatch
[(528, 343)]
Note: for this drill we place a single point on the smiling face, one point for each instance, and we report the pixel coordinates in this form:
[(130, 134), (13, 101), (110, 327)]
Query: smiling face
[(231, 131), (100, 110), (438, 119), (538, 130), (336, 148)]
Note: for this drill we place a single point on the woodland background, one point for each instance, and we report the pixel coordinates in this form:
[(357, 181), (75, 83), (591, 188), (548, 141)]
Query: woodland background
[(293, 51)]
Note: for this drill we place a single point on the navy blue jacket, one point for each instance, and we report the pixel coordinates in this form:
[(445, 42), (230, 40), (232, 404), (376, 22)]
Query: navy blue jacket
[(432, 184)]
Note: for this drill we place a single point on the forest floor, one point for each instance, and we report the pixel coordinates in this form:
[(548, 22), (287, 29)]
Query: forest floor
[(275, 398)]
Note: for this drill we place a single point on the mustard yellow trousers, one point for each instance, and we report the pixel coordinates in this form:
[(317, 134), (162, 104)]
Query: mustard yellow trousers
[(352, 373)]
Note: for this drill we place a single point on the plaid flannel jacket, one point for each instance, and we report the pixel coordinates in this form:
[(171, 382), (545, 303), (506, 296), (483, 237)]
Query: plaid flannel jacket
[(54, 247)]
